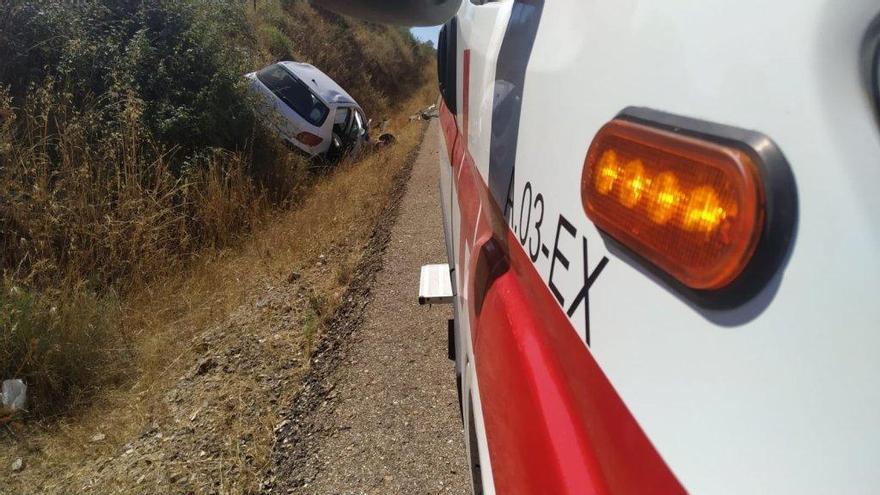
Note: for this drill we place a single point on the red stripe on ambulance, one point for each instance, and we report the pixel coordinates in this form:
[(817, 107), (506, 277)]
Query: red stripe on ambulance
[(554, 423)]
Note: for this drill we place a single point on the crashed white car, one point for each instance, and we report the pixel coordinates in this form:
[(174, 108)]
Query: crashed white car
[(309, 110)]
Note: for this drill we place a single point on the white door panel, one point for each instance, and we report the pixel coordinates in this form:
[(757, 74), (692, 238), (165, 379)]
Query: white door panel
[(780, 395)]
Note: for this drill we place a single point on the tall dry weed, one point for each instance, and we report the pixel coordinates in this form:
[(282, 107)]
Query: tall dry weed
[(91, 209)]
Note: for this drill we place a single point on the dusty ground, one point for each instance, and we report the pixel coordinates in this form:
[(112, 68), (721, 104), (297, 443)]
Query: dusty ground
[(379, 413)]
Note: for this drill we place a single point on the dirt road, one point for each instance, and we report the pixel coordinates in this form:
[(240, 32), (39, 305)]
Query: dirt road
[(379, 412)]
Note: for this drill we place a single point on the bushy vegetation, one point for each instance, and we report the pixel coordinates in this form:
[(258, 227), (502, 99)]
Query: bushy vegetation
[(376, 63), (183, 61), (128, 145)]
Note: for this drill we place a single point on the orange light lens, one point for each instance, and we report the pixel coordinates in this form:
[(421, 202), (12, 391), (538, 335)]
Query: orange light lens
[(692, 207)]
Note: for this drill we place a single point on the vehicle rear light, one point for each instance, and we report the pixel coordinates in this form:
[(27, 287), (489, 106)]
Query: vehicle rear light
[(691, 206), (308, 139)]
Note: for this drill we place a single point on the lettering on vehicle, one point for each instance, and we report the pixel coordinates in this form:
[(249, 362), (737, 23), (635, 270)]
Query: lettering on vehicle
[(528, 225)]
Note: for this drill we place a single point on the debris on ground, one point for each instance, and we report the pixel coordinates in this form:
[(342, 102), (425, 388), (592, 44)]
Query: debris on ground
[(427, 113), (17, 465), (386, 137), (205, 365), (13, 396)]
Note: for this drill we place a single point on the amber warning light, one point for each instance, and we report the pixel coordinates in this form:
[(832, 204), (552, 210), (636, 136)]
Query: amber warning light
[(692, 207)]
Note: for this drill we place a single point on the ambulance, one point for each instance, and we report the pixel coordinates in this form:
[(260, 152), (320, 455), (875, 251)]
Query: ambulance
[(662, 222)]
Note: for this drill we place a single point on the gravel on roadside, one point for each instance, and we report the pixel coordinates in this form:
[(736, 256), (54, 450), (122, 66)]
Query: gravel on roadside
[(378, 412)]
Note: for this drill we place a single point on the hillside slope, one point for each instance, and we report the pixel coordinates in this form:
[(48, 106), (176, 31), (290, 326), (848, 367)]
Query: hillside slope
[(129, 149), (167, 266)]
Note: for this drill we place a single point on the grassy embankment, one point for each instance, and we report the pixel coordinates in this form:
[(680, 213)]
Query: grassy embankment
[(143, 207), (140, 197)]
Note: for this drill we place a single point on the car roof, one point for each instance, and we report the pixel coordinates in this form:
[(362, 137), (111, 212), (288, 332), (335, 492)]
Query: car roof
[(326, 88)]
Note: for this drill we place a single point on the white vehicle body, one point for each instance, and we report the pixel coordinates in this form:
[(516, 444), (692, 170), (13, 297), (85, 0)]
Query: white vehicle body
[(780, 394), (583, 370), (328, 117)]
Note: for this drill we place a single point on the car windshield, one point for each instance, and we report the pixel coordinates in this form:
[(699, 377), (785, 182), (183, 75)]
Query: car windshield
[(294, 93)]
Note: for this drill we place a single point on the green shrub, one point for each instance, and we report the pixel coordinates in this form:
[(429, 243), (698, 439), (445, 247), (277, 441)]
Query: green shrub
[(278, 44), (182, 59), (185, 62)]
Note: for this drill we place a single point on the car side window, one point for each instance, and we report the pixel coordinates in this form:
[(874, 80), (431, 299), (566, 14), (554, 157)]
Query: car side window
[(294, 93)]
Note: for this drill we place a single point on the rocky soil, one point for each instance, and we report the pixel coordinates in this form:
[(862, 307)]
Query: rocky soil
[(379, 412)]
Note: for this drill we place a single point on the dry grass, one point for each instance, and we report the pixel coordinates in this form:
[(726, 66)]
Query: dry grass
[(134, 219), (339, 210), (106, 208), (87, 214), (336, 216), (110, 180)]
